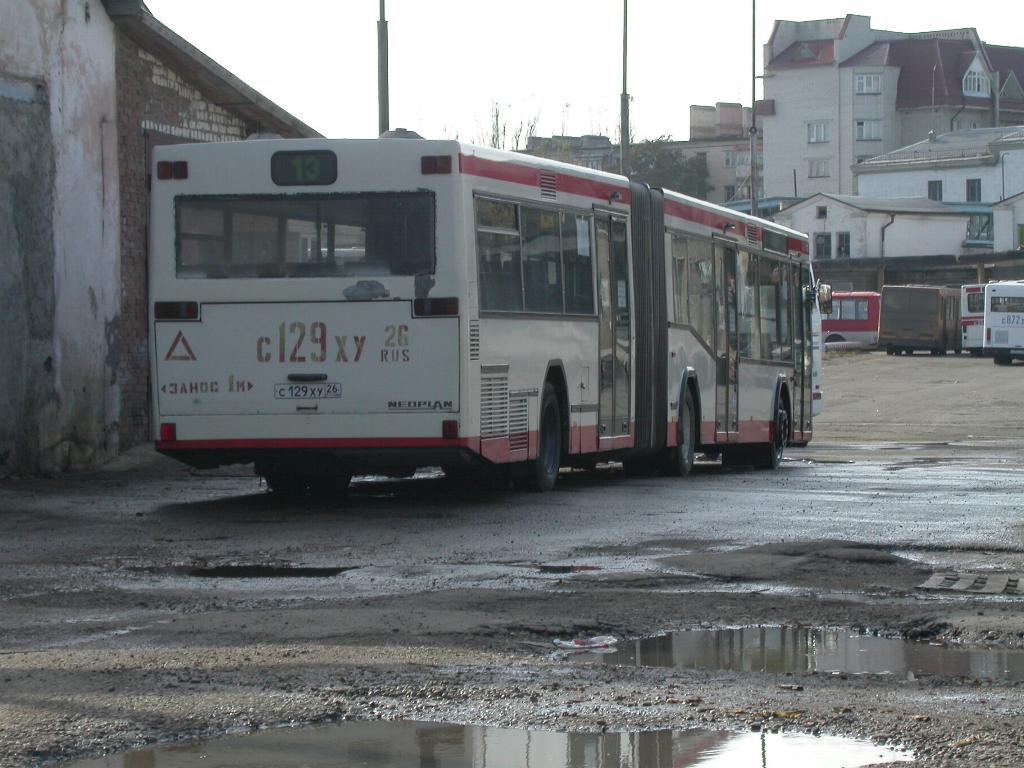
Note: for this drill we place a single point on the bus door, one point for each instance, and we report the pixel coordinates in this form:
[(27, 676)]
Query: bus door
[(727, 354), (615, 366), (803, 360)]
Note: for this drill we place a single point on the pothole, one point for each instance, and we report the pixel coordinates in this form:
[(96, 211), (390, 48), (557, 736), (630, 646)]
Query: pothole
[(404, 744), (803, 650)]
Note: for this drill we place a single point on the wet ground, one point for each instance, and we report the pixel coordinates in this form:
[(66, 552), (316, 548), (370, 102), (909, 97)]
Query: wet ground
[(146, 603)]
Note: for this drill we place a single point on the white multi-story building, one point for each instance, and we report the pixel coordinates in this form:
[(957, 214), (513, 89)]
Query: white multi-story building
[(837, 92)]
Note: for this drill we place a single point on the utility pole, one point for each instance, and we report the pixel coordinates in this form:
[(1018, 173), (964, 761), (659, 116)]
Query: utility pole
[(382, 73), (624, 105), (753, 107)]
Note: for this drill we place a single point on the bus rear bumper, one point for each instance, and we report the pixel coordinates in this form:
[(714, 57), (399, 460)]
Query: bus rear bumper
[(356, 456)]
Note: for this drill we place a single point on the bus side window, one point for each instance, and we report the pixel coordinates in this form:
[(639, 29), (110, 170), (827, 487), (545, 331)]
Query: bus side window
[(577, 264)]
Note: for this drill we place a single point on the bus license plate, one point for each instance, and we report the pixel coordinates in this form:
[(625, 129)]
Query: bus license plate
[(318, 391)]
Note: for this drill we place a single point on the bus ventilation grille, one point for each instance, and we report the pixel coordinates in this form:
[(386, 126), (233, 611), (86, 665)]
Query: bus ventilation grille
[(753, 234), (519, 424), (494, 405), (548, 185), (474, 339)]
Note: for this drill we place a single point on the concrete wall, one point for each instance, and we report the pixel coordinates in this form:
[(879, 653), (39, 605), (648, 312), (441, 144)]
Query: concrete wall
[(156, 105), (1004, 179), (58, 245), (908, 235), (1007, 223)]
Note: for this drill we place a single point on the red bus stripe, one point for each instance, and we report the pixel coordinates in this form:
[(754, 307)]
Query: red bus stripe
[(526, 175)]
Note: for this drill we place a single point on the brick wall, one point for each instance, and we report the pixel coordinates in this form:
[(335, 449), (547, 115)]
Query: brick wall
[(155, 105)]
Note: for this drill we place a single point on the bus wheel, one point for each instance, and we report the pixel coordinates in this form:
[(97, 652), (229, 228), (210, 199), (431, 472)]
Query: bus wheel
[(1001, 359), (679, 460), (770, 455), (543, 471)]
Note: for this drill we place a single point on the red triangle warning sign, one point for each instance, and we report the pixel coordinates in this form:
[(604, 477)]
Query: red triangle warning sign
[(183, 353)]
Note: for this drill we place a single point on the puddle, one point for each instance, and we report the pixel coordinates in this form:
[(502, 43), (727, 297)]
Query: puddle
[(250, 571), (801, 650), (440, 745)]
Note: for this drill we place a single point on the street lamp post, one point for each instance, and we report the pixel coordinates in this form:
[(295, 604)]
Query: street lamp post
[(753, 107), (624, 102), (382, 73)]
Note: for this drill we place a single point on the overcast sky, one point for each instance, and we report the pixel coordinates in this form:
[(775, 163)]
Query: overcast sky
[(558, 62)]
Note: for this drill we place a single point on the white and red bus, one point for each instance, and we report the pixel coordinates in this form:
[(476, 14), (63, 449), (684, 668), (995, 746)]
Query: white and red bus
[(854, 318), (972, 318), (1004, 321), (323, 308)]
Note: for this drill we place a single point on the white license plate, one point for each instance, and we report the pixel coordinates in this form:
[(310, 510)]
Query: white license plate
[(320, 390)]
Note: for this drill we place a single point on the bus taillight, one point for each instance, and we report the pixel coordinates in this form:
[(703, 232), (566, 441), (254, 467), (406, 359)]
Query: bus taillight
[(167, 169), (176, 310), (446, 307), (168, 432), (988, 335), (431, 164)]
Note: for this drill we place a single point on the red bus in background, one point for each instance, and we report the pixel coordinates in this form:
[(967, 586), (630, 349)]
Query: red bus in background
[(854, 317)]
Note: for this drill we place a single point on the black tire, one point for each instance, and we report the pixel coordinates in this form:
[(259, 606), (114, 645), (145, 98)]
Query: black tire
[(542, 472), (769, 455), (679, 460), (834, 337), (1001, 359)]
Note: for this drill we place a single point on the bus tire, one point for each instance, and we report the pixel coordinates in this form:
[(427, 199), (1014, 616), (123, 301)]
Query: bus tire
[(679, 460), (1001, 359), (769, 455), (542, 472)]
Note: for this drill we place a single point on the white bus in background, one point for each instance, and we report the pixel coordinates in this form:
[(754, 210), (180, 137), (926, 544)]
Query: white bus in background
[(1004, 321), (324, 308), (972, 318)]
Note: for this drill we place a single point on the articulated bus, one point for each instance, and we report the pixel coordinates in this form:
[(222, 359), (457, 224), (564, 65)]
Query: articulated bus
[(1004, 321), (324, 308)]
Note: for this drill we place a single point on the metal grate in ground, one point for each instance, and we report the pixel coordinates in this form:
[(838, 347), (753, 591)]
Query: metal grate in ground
[(977, 583)]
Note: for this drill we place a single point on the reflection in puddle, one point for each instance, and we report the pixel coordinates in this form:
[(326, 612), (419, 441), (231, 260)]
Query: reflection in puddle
[(439, 745), (801, 650)]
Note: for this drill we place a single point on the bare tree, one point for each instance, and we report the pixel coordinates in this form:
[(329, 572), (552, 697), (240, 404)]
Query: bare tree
[(502, 134)]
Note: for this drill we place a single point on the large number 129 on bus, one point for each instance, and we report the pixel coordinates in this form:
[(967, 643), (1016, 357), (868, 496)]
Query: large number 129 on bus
[(324, 308)]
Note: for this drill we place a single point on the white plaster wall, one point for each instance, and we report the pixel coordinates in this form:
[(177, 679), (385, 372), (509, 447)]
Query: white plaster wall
[(908, 235), (1006, 222), (69, 46), (801, 96), (1008, 174)]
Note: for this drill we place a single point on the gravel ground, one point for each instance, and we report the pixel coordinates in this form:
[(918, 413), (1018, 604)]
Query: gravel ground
[(162, 663)]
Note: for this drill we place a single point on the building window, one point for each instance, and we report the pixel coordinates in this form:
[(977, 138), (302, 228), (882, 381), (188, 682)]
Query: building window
[(817, 132), (976, 84), (730, 192), (867, 130), (819, 168), (935, 190), (822, 211), (979, 227), (823, 245), (974, 190), (842, 245), (730, 159), (865, 83)]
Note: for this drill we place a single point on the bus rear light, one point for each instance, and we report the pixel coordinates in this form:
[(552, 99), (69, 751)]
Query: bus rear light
[(168, 432), (176, 310), (988, 335), (446, 307), (450, 429), (435, 164), (167, 169)]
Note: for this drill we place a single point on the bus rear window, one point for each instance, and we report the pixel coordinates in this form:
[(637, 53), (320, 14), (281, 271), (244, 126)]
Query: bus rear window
[(360, 235), (1008, 303)]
